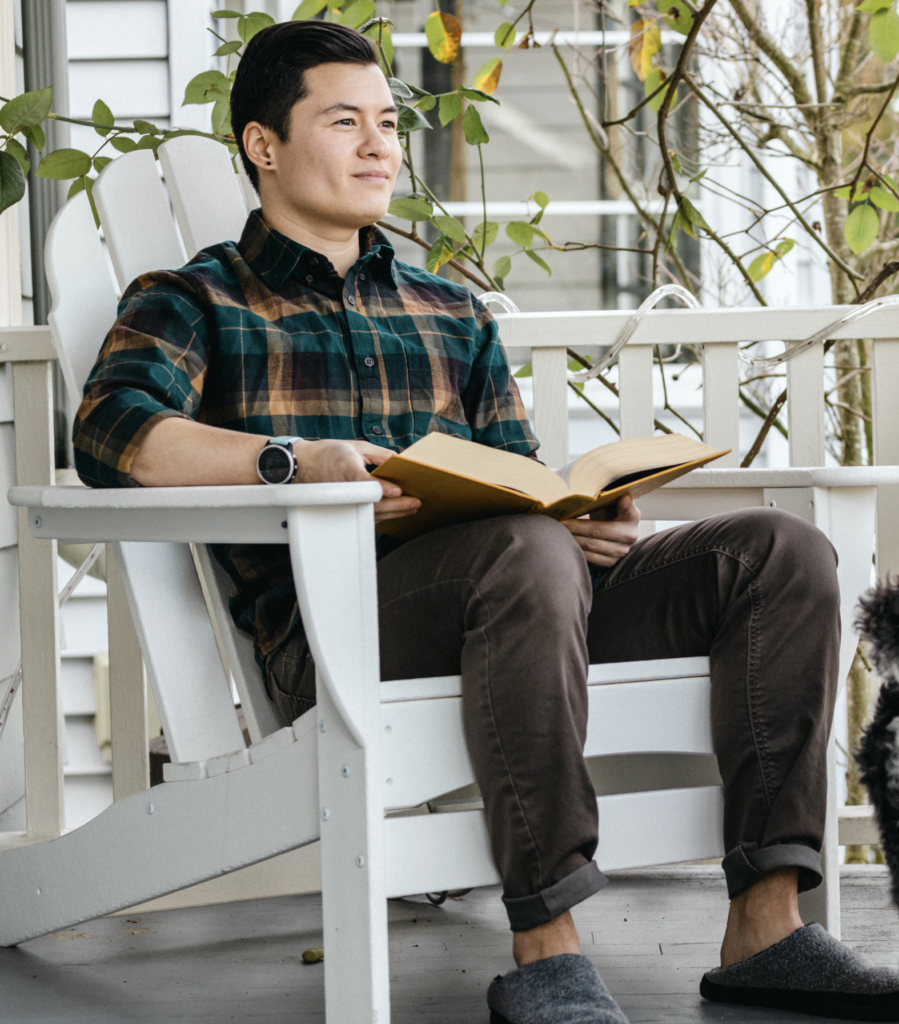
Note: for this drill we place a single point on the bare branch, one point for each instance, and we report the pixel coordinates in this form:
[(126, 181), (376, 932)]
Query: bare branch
[(752, 23)]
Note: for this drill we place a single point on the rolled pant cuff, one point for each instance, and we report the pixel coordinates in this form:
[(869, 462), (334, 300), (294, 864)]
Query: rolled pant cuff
[(746, 864), (527, 912)]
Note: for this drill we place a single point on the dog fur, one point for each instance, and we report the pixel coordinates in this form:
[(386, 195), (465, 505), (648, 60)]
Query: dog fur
[(878, 751)]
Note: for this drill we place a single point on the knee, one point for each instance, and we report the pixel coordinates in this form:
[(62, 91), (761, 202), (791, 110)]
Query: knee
[(541, 561), (795, 548)]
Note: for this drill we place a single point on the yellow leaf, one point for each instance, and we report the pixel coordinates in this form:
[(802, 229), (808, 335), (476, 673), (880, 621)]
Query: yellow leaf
[(646, 42), (444, 35), (487, 77)]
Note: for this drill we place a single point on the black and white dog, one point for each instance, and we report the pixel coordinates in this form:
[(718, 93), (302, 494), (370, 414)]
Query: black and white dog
[(878, 751)]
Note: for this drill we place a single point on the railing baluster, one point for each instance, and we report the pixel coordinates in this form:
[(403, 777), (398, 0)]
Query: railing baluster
[(551, 404), (721, 400), (885, 373), (805, 407), (635, 383)]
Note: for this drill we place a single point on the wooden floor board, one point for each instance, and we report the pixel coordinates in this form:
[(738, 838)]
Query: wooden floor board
[(652, 936)]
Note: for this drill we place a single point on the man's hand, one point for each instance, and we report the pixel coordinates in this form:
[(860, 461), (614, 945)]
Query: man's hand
[(332, 461), (606, 541)]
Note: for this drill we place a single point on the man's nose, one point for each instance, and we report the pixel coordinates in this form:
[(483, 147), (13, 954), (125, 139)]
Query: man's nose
[(374, 143)]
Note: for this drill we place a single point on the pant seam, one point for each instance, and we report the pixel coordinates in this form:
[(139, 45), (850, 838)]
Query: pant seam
[(759, 739), (683, 556)]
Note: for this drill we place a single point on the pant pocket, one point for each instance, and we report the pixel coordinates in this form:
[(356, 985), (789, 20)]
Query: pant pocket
[(291, 681)]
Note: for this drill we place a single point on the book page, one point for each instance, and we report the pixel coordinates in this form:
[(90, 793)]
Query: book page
[(593, 472), (490, 465)]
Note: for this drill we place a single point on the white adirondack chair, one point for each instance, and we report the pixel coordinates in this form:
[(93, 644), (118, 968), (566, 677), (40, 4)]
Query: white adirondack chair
[(370, 747)]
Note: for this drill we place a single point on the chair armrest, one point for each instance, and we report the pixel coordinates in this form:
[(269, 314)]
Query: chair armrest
[(207, 515), (26, 345)]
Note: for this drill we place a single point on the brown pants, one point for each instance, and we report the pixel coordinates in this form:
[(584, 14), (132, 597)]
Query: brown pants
[(507, 602)]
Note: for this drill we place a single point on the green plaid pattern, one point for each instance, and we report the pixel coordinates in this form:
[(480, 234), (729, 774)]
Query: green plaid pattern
[(262, 336)]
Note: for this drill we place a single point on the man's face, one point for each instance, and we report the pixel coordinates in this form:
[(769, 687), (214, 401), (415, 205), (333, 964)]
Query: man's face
[(340, 161)]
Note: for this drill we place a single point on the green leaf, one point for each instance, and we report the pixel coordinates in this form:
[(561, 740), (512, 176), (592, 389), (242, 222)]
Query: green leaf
[(653, 80), (411, 208), (426, 103), (476, 95), (123, 144), (883, 33), (441, 252), (410, 119), (308, 9), (382, 34), (527, 370), (540, 262), (199, 86), (400, 89), (146, 128), (762, 265), (12, 181), (444, 35), (861, 227), (502, 268), (35, 135), (24, 111), (450, 107), (676, 14), (645, 43), (504, 37), (226, 14), (221, 117), (690, 213), (783, 247), (521, 233), (541, 199), (249, 25), (486, 78), (473, 127), (102, 115), (227, 48), (450, 226), (100, 162), (64, 163), (20, 153), (148, 142), (874, 5), (883, 199), (358, 13), (492, 232)]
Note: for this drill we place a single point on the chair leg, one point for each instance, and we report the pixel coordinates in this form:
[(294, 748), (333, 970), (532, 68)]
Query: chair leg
[(823, 904), (354, 898)]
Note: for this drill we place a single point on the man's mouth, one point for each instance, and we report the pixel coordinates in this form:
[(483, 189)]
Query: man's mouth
[(372, 176)]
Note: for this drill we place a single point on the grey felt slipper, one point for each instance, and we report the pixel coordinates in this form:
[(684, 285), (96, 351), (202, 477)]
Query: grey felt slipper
[(810, 972), (565, 989)]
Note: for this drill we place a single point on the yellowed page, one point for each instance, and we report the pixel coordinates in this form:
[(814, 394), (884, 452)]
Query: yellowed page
[(489, 465), (593, 472)]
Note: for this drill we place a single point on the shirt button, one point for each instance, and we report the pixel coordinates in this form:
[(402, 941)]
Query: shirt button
[(362, 277), (351, 300), (369, 361), (377, 430), (309, 278), (313, 263)]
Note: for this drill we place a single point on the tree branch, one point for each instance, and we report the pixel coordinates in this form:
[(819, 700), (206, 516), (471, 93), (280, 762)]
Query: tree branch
[(455, 264), (752, 23)]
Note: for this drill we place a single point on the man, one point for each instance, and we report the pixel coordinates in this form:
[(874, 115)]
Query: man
[(307, 352)]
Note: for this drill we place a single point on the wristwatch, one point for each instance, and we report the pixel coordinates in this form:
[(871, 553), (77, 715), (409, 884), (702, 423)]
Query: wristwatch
[(276, 463)]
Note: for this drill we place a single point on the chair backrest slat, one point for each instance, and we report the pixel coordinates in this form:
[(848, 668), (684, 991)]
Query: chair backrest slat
[(551, 405), (136, 218), (178, 644), (720, 404), (206, 193), (84, 298)]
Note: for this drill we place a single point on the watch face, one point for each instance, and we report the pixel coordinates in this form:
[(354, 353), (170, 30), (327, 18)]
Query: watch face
[(275, 465)]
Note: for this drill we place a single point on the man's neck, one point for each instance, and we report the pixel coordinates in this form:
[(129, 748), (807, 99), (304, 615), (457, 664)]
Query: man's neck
[(338, 244)]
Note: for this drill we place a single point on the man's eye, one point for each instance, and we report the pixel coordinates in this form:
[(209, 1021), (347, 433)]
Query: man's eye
[(389, 124)]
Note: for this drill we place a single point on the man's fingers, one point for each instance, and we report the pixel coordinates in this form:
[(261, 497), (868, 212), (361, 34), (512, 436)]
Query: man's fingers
[(392, 508), (627, 510)]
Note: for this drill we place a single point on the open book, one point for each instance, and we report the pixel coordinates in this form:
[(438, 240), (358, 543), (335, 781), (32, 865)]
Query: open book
[(459, 480)]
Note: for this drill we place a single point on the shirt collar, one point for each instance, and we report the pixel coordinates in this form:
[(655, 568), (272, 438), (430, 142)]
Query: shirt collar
[(274, 257)]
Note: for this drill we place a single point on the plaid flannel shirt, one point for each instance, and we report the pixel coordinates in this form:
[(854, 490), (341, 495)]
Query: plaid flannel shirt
[(264, 337)]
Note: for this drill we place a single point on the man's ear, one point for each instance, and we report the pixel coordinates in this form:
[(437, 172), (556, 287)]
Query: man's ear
[(257, 144)]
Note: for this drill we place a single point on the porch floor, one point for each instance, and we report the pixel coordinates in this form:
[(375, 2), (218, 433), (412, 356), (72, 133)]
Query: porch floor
[(652, 935)]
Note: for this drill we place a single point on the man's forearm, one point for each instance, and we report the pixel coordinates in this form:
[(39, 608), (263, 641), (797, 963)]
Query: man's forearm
[(180, 453)]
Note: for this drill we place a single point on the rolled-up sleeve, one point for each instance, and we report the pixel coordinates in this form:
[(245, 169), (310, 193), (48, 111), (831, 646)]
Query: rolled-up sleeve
[(493, 405), (152, 365)]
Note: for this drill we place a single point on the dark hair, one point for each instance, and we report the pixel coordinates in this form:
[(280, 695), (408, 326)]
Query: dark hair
[(271, 75)]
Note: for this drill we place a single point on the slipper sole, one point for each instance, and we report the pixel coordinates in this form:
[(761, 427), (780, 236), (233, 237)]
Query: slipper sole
[(498, 1018), (837, 1005)]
